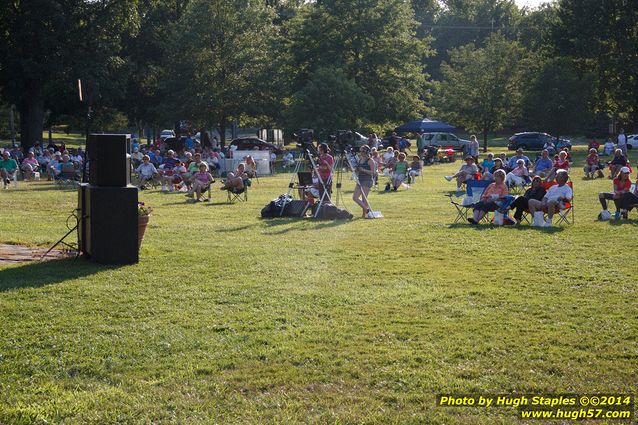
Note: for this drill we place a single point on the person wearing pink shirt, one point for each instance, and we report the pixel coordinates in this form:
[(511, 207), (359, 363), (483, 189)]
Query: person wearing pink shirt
[(489, 200), (324, 166), (519, 176), (29, 166)]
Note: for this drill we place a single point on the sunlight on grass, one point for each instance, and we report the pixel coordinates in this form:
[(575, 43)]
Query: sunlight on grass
[(233, 319)]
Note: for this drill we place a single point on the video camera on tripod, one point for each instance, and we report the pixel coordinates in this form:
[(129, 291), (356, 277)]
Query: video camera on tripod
[(342, 141), (304, 140)]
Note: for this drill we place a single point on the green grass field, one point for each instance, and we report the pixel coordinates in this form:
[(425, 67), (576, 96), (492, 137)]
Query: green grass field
[(229, 318)]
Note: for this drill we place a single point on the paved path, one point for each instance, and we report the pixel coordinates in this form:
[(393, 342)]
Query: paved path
[(17, 254)]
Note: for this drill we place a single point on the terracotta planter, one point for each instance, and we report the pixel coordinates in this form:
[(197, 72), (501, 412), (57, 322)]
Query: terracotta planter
[(142, 222)]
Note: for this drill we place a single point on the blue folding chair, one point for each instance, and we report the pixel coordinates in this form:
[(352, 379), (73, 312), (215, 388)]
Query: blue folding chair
[(473, 191)]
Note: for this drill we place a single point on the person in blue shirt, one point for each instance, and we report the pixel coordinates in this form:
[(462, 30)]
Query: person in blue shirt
[(404, 144), (156, 158), (511, 164), (169, 160), (544, 165), (189, 142), (487, 164)]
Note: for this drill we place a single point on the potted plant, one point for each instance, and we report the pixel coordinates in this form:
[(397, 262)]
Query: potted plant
[(143, 216)]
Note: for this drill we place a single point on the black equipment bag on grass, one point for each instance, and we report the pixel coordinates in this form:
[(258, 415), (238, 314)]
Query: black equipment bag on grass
[(292, 208), (330, 212)]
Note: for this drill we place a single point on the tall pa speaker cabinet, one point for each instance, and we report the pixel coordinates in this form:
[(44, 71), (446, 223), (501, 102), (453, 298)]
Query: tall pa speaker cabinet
[(109, 159), (108, 226)]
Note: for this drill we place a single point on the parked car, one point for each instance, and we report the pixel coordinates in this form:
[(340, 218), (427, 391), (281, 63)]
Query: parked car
[(632, 141), (535, 141), (165, 134), (254, 143), (445, 139)]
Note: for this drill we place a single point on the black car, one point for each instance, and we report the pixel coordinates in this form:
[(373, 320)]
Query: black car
[(255, 143), (534, 141)]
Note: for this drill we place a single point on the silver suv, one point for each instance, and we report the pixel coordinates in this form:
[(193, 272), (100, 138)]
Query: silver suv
[(445, 139)]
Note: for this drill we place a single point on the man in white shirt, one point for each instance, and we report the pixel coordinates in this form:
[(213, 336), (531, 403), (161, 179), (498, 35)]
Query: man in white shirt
[(622, 142), (554, 200)]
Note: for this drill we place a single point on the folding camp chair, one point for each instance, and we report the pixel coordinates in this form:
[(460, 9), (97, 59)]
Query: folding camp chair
[(518, 189), (68, 177), (565, 215), (474, 191), (238, 195)]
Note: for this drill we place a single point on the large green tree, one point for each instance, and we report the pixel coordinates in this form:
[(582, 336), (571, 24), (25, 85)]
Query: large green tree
[(222, 63), (146, 53), (602, 36), (558, 98), (481, 89), (374, 42), (328, 102), (46, 45), (463, 22)]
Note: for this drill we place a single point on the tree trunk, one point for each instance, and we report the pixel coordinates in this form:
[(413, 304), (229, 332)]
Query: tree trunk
[(32, 124), (485, 139), (24, 119), (222, 132)]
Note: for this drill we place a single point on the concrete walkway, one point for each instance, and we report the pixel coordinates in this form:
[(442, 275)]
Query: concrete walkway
[(17, 254)]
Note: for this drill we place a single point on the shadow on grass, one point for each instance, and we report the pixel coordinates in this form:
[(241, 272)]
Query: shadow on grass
[(301, 224), (237, 229), (48, 187), (190, 201), (623, 222), (482, 226), (41, 273)]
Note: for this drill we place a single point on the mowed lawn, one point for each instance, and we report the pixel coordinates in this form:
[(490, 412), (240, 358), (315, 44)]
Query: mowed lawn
[(229, 318)]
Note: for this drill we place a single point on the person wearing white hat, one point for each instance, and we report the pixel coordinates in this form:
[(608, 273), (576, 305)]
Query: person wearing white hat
[(621, 185)]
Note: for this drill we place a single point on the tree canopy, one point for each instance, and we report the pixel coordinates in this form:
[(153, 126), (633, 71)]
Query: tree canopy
[(482, 64), (481, 89)]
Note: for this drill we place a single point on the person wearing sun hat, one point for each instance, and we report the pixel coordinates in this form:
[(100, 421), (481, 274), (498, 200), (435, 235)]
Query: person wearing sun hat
[(621, 185), (466, 172)]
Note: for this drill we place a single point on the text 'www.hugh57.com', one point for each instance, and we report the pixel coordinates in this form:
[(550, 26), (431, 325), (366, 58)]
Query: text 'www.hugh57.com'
[(549, 406)]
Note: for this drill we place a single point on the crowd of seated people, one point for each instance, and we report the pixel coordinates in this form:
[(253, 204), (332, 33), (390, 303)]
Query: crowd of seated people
[(518, 169), (393, 164), (48, 161), (541, 195)]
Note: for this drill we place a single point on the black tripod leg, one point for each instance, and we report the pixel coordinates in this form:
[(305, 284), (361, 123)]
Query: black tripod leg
[(61, 241)]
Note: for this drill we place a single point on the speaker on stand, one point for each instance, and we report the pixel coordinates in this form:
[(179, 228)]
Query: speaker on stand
[(108, 203)]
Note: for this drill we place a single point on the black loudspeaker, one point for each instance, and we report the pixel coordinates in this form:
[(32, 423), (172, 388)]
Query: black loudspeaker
[(82, 211), (108, 229), (109, 159)]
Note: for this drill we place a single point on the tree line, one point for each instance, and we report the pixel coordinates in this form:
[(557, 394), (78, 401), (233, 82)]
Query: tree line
[(324, 64)]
